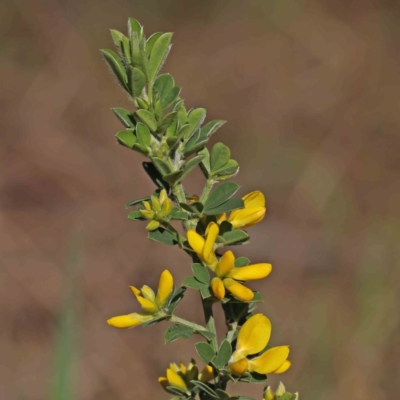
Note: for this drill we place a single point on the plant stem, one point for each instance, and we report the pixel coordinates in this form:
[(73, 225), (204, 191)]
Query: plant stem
[(189, 324), (210, 322), (206, 191)]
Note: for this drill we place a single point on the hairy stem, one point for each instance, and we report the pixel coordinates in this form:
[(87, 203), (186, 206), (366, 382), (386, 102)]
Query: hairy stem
[(206, 191)]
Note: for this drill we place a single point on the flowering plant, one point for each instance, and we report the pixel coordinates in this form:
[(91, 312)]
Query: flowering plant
[(175, 141)]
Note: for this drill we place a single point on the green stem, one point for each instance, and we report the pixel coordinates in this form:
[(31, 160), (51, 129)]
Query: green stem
[(184, 322), (206, 191), (210, 322)]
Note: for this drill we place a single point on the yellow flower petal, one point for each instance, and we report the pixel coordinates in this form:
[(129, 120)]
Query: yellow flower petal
[(238, 290), (135, 291), (254, 199), (163, 196), (163, 382), (174, 367), (253, 335), (147, 305), (283, 368), (129, 321), (206, 374), (246, 217), (182, 368), (166, 207), (239, 367), (176, 380), (251, 272), (148, 293), (165, 288), (269, 394), (147, 205), (196, 241), (225, 264), (270, 361), (218, 288), (221, 218), (208, 250)]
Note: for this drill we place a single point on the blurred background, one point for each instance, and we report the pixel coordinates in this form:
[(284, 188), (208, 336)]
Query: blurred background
[(310, 90)]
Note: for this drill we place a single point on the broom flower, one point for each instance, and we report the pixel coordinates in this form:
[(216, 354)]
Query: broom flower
[(252, 338), (151, 303)]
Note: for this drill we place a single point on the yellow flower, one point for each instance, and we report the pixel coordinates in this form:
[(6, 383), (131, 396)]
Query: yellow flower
[(180, 376), (252, 213), (269, 394), (151, 303), (204, 248), (227, 277), (252, 338), (159, 208)]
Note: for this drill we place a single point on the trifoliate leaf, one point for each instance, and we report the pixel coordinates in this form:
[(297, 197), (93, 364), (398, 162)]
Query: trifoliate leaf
[(220, 195), (205, 351), (200, 272), (223, 355), (193, 283), (147, 118), (164, 236), (220, 155), (231, 204), (177, 332)]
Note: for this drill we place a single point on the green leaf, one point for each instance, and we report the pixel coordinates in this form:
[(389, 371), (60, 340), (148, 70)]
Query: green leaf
[(205, 292), (127, 138), (163, 236), (141, 149), (195, 119), (163, 85), (166, 121), (220, 155), (205, 162), (189, 150), (211, 127), (205, 388), (224, 354), (201, 273), (135, 216), (230, 168), (193, 283), (177, 332), (191, 164), (173, 178), (207, 334), (148, 118), (236, 236), (134, 26), (161, 165), (175, 390), (136, 201), (115, 63), (253, 377), (158, 54), (137, 81), (170, 97), (205, 352), (155, 175), (124, 116), (231, 204), (143, 134), (175, 299), (220, 195), (151, 41), (177, 214), (242, 262), (222, 395)]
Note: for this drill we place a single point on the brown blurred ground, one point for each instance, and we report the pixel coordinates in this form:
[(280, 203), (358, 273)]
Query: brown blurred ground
[(311, 93)]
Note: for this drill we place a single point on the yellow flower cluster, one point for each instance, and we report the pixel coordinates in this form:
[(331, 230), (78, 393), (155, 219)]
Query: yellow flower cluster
[(151, 303), (228, 277), (157, 210), (180, 376), (253, 338)]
